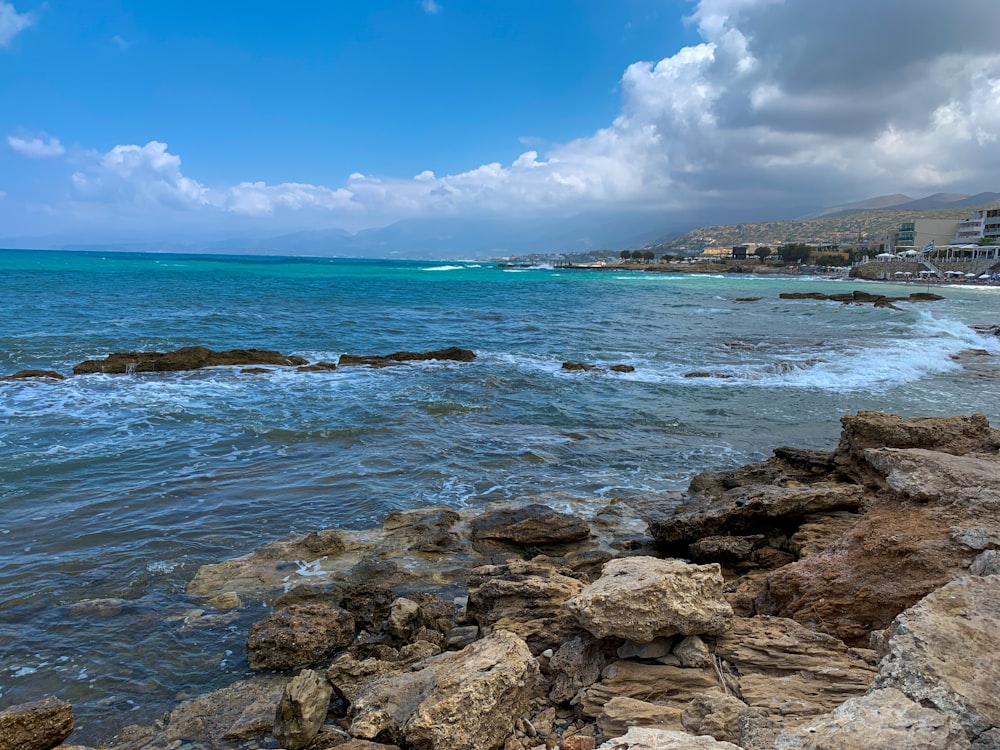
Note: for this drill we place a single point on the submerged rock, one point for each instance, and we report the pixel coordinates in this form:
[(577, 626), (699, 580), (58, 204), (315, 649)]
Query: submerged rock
[(453, 353), (186, 358), (533, 524), (40, 725), (33, 375)]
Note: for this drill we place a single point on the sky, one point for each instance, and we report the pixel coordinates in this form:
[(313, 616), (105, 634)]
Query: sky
[(162, 118)]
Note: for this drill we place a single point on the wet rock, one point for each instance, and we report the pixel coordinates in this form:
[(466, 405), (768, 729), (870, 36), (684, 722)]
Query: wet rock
[(317, 367), (302, 710), (620, 713), (642, 598), (39, 725), (645, 738), (369, 604), (944, 653), (578, 366), (186, 358), (311, 593), (707, 374), (526, 598), (243, 709), (465, 700), (925, 297), (622, 368), (34, 375), (453, 353), (298, 635), (533, 524), (881, 720)]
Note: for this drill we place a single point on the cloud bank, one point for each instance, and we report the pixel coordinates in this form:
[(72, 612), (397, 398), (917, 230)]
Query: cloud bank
[(779, 99), (12, 23)]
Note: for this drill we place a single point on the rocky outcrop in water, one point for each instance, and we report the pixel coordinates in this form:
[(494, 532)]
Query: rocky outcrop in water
[(34, 375), (185, 358), (841, 599), (863, 298), (40, 725), (453, 354)]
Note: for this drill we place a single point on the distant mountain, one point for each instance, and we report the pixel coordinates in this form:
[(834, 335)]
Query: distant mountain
[(871, 204), (900, 202)]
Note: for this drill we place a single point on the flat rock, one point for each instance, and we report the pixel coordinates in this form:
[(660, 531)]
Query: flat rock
[(620, 713), (642, 598), (298, 635), (185, 358), (881, 720), (243, 709), (938, 477), (655, 683), (533, 524), (645, 738), (34, 375), (453, 353), (464, 700), (39, 725), (944, 653)]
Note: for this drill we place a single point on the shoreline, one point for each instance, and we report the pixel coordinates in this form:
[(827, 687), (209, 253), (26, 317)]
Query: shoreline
[(790, 557)]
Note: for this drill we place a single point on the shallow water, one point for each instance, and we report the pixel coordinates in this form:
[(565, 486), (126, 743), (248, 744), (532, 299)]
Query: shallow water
[(122, 486)]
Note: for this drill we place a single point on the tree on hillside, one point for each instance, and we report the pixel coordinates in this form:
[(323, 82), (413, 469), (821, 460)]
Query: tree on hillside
[(832, 259), (667, 257), (625, 254), (762, 252), (795, 252), (648, 255), (637, 255)]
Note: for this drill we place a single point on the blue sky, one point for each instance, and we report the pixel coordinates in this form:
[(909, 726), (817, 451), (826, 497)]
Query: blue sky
[(154, 116)]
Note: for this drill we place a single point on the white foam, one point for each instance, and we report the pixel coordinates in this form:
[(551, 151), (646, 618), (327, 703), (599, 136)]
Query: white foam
[(444, 268)]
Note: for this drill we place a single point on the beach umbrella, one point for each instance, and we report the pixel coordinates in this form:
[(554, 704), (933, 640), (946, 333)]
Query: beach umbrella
[(970, 275), (984, 276)]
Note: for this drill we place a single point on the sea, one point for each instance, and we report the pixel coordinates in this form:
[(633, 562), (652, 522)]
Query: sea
[(115, 489)]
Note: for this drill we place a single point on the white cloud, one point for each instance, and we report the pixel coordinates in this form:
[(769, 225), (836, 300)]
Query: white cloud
[(120, 41), (41, 146), (430, 6), (12, 23)]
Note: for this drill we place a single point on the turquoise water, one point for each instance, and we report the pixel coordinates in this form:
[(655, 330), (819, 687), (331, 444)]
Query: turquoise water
[(122, 486)]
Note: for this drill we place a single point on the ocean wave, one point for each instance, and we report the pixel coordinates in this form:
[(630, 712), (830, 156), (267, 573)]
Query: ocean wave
[(444, 268)]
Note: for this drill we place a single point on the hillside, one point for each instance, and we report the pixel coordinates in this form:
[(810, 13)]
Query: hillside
[(856, 228)]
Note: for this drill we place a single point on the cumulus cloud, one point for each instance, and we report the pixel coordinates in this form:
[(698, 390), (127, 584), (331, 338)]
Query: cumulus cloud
[(41, 146), (12, 23)]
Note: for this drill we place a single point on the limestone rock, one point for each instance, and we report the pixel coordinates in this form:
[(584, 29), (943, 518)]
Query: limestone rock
[(525, 598), (935, 476), (533, 524), (987, 563), (453, 353), (654, 649), (644, 738), (944, 653), (641, 598), (349, 675), (692, 652), (656, 683), (620, 713), (790, 671), (718, 715), (243, 709), (725, 548), (881, 720), (465, 700), (39, 725), (298, 635), (302, 710), (186, 358), (576, 665)]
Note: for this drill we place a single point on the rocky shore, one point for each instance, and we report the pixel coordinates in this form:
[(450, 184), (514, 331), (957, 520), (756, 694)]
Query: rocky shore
[(842, 599)]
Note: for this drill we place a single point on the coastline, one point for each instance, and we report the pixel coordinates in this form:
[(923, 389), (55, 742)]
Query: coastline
[(805, 579)]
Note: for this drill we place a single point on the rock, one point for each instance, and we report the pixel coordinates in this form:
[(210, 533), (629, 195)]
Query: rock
[(943, 653), (243, 709), (577, 664), (725, 548), (317, 367), (525, 598), (186, 358), (665, 685), (302, 710), (935, 476), (39, 725), (577, 742), (987, 563), (33, 375), (365, 745), (298, 635), (718, 715), (790, 671), (227, 600), (692, 652), (620, 713), (644, 738), (622, 368), (459, 637), (350, 675), (533, 524), (654, 649), (820, 530), (369, 604), (464, 700), (642, 598), (881, 720), (384, 360), (578, 366), (925, 297)]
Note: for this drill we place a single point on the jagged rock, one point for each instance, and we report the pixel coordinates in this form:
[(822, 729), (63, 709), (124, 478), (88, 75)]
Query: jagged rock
[(185, 358), (533, 524), (725, 548), (818, 531), (657, 683), (642, 598), (459, 637), (882, 720), (938, 477), (620, 713), (39, 725), (34, 374), (243, 709), (790, 671), (349, 675), (453, 353), (576, 665), (944, 653), (298, 635), (302, 710), (524, 597), (884, 563), (645, 738), (464, 700), (872, 429), (692, 652), (719, 715), (987, 563), (425, 530), (369, 604)]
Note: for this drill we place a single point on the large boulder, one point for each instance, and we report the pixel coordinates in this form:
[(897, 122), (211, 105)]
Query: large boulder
[(185, 358), (298, 635), (466, 700), (642, 598), (39, 725), (526, 598), (944, 653), (881, 720), (302, 710)]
